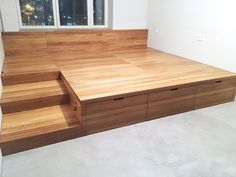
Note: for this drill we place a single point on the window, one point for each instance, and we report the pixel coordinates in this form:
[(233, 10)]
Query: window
[(98, 12), (63, 13), (73, 12), (36, 13)]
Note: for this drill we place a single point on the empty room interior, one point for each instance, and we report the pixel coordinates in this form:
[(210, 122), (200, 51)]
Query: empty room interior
[(118, 88)]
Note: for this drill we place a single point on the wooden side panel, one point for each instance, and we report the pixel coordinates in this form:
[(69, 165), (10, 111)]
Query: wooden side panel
[(215, 93), (115, 113), (74, 101), (173, 101)]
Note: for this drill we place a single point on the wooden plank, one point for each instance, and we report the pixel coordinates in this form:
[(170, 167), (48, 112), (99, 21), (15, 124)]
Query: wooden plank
[(136, 72), (25, 44), (23, 97), (118, 103), (115, 113), (27, 69), (169, 102), (34, 128), (217, 92)]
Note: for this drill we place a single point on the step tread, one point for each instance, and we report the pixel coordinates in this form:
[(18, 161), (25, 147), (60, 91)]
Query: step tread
[(19, 92), (36, 122), (14, 65), (28, 69)]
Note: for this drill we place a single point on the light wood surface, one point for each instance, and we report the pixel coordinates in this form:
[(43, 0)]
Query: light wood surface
[(135, 72), (29, 96), (25, 44), (85, 44), (27, 69), (34, 128), (115, 113), (107, 79), (172, 101), (215, 93)]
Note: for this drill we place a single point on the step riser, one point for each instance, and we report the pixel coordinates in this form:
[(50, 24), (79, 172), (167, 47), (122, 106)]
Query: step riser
[(25, 105), (28, 78), (42, 140)]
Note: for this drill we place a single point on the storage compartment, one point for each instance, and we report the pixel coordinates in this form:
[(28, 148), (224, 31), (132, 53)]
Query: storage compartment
[(169, 102), (115, 113), (214, 93)]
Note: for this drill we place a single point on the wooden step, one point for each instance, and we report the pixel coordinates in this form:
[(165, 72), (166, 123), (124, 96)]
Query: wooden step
[(28, 96), (35, 128), (28, 69)]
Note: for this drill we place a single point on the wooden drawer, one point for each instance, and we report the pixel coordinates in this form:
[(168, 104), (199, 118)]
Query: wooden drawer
[(169, 102), (115, 113), (215, 93)]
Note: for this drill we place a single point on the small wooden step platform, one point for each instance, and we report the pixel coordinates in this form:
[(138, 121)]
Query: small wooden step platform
[(26, 69), (34, 95), (34, 128)]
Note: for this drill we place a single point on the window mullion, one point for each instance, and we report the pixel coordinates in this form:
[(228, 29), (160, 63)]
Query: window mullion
[(56, 13), (90, 13)]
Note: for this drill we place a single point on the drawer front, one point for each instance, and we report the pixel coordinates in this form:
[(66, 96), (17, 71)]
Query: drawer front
[(220, 84), (115, 113), (171, 102), (215, 93), (119, 103)]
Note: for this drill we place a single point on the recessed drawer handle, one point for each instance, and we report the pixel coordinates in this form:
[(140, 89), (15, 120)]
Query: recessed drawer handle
[(117, 99), (219, 81), (174, 89)]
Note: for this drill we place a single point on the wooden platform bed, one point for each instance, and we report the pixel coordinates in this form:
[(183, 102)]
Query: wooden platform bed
[(61, 85)]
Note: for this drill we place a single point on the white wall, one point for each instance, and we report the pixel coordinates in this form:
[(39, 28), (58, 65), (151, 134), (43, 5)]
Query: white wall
[(9, 15), (129, 14), (179, 23)]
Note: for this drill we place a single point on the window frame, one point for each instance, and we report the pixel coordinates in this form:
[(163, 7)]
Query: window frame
[(35, 27), (56, 17), (105, 16)]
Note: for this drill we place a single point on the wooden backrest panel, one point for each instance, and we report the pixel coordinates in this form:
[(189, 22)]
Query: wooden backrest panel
[(25, 44), (74, 42), (57, 43)]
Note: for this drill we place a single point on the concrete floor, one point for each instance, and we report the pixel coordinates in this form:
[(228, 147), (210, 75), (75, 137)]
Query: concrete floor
[(201, 143)]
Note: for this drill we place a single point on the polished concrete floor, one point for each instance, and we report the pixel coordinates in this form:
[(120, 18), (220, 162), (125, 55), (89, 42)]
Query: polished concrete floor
[(201, 143)]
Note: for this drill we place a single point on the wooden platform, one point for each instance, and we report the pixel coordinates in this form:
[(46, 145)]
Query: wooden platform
[(98, 80), (135, 72)]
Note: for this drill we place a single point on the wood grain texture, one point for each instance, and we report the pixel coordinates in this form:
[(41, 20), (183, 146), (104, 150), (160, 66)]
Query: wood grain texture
[(172, 101), (116, 113), (135, 72), (112, 80), (75, 103), (34, 128), (214, 93), (27, 69), (25, 44), (28, 96), (30, 55), (83, 42)]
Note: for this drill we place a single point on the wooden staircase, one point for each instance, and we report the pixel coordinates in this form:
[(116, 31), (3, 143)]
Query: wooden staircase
[(36, 107)]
